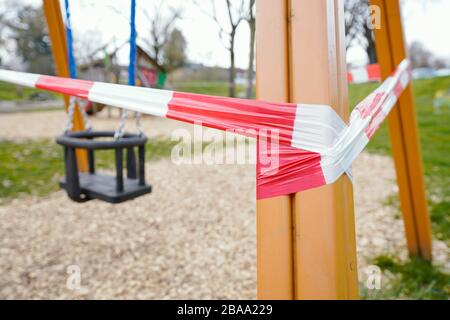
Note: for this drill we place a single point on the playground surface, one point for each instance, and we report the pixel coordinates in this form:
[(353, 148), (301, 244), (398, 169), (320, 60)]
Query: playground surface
[(50, 124), (193, 237)]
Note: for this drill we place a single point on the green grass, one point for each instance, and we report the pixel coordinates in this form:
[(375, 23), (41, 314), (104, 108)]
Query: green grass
[(34, 167), (29, 168), (434, 129), (210, 88), (11, 92), (413, 279)]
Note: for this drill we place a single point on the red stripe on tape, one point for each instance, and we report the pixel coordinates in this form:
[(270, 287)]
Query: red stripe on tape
[(367, 106), (73, 87), (234, 114), (374, 72), (282, 170), (398, 89), (375, 123)]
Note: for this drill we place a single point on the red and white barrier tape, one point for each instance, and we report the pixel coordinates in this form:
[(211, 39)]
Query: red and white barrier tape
[(313, 145), (371, 72)]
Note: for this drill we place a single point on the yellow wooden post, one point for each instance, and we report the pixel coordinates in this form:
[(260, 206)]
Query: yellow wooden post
[(404, 135), (303, 41), (325, 245), (274, 216), (56, 31)]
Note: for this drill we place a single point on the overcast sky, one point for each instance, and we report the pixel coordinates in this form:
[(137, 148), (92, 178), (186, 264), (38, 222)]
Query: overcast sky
[(107, 20)]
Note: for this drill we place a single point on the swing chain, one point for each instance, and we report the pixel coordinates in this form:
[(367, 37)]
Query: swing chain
[(70, 114), (86, 122), (138, 123), (121, 129), (123, 117)]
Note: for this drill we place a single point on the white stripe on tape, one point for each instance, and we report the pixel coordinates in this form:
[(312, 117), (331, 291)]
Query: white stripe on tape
[(346, 148), (140, 99), (316, 127), (23, 79), (390, 102)]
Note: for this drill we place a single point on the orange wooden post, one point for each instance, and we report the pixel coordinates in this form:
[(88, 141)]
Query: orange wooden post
[(404, 135), (325, 245), (274, 216), (307, 38), (56, 31)]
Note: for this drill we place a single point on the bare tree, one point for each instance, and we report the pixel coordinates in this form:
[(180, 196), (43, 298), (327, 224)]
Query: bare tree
[(236, 13), (161, 27), (2, 25), (2, 30), (421, 57), (357, 28), (27, 29), (175, 51), (368, 42), (251, 20), (353, 20), (88, 46)]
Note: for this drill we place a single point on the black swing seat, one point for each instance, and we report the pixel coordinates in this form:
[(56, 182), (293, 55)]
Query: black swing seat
[(82, 187)]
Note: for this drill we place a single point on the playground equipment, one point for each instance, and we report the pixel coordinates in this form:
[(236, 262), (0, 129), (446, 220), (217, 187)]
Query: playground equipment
[(86, 186), (90, 185), (306, 240)]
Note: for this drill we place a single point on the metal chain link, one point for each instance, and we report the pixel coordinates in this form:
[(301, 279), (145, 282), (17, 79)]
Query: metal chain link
[(71, 112), (123, 118), (118, 133), (87, 123), (138, 116), (121, 129)]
